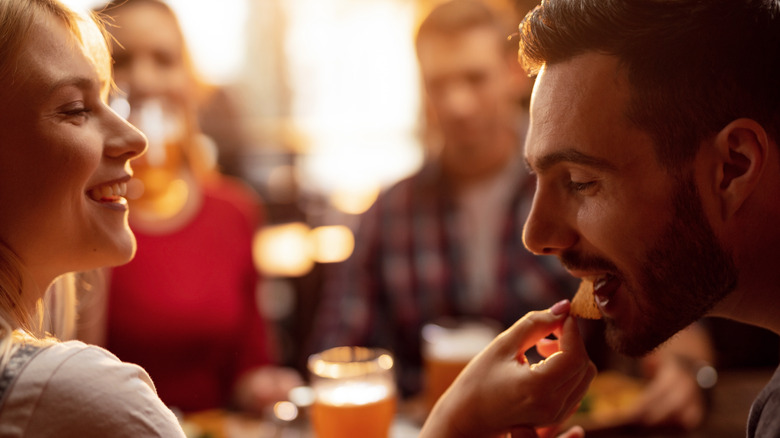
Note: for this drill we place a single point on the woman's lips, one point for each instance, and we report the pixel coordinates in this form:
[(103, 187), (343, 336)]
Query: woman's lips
[(110, 195)]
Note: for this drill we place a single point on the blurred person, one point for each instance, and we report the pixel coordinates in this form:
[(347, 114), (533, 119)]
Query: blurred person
[(64, 164), (432, 245), (447, 240), (203, 339), (654, 137)]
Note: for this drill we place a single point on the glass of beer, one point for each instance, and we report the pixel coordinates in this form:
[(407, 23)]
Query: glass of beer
[(448, 345), (355, 392)]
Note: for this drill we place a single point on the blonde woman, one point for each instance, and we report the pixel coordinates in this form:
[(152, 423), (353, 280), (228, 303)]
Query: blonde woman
[(64, 163)]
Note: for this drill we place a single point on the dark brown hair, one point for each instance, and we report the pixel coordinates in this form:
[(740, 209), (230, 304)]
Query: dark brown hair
[(693, 65)]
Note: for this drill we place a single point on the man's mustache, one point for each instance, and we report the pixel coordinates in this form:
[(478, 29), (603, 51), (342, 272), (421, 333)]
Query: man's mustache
[(576, 261)]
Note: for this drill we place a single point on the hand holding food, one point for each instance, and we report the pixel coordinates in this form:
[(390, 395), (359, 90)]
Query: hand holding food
[(500, 392)]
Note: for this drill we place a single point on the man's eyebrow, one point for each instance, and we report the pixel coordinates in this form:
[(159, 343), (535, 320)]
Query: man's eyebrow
[(569, 156)]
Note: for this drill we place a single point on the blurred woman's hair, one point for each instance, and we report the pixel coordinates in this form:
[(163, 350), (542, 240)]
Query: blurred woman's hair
[(18, 20)]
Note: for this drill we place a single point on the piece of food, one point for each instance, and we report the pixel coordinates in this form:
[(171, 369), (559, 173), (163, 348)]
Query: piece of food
[(583, 305)]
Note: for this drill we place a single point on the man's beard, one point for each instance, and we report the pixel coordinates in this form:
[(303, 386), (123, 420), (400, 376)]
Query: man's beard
[(685, 273)]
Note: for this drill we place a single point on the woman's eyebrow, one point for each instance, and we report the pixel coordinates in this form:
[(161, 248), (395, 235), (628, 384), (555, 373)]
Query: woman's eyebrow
[(80, 82)]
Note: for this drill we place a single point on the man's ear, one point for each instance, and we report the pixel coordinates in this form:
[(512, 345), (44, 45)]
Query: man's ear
[(742, 147)]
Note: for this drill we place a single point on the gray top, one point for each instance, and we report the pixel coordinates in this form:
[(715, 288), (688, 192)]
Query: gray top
[(764, 418)]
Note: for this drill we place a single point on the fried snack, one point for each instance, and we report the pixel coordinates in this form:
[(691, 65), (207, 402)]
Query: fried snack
[(583, 305)]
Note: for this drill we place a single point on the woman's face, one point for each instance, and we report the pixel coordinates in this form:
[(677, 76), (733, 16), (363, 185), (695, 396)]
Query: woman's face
[(64, 160)]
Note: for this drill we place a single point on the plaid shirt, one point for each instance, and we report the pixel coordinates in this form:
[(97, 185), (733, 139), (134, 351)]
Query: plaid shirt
[(408, 269)]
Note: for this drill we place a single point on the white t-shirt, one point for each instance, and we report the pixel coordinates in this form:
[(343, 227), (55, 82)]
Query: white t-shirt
[(71, 389), (483, 209)]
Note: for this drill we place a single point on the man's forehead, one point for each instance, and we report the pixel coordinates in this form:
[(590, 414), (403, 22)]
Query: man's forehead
[(581, 102)]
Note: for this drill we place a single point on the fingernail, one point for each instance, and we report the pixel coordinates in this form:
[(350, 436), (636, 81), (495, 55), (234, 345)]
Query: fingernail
[(560, 307)]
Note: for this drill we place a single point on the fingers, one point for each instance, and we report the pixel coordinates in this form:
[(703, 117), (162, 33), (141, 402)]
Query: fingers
[(523, 432), (571, 355), (570, 339), (528, 330), (574, 432), (547, 432), (568, 372), (547, 347)]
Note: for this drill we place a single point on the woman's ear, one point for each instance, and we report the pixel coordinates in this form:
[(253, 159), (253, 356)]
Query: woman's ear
[(742, 148)]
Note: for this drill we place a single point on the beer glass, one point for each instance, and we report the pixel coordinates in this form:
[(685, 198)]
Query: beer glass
[(355, 392), (448, 345)]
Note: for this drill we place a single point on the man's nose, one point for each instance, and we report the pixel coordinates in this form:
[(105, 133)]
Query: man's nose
[(547, 230)]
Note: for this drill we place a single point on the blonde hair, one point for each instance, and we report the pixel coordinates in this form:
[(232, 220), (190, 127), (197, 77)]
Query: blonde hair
[(17, 323)]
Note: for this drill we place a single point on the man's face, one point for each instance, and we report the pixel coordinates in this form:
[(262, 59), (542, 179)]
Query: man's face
[(612, 214), (471, 89)]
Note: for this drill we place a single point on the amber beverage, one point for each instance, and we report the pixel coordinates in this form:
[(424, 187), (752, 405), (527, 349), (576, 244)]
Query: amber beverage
[(355, 392), (448, 346)]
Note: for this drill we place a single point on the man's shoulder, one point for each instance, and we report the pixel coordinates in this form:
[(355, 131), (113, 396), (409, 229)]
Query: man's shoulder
[(764, 419)]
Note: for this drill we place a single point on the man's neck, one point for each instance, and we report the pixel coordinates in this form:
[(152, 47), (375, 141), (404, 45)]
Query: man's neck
[(757, 295)]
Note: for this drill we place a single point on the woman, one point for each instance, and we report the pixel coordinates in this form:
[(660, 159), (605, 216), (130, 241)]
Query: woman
[(64, 164), (203, 340)]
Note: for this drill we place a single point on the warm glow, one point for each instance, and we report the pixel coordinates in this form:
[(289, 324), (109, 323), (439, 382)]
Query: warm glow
[(290, 250), (354, 199), (331, 244), (283, 250), (285, 411), (356, 90), (354, 393), (218, 53)]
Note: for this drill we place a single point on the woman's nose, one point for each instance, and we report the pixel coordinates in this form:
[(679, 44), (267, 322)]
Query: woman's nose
[(123, 139)]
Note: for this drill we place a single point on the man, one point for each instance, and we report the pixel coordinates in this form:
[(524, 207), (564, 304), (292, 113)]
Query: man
[(654, 138), (447, 241)]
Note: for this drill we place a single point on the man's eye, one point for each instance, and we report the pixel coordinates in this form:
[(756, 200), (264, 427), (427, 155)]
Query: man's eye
[(582, 186)]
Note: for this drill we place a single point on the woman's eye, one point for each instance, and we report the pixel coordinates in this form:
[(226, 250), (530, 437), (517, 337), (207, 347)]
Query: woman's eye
[(77, 113)]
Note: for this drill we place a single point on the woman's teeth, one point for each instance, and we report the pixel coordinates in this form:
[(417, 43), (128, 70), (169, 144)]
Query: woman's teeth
[(108, 192)]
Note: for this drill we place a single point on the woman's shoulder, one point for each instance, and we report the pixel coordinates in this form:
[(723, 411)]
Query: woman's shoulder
[(75, 389), (75, 359)]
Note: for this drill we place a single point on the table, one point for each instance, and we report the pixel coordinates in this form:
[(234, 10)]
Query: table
[(221, 424), (731, 400)]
